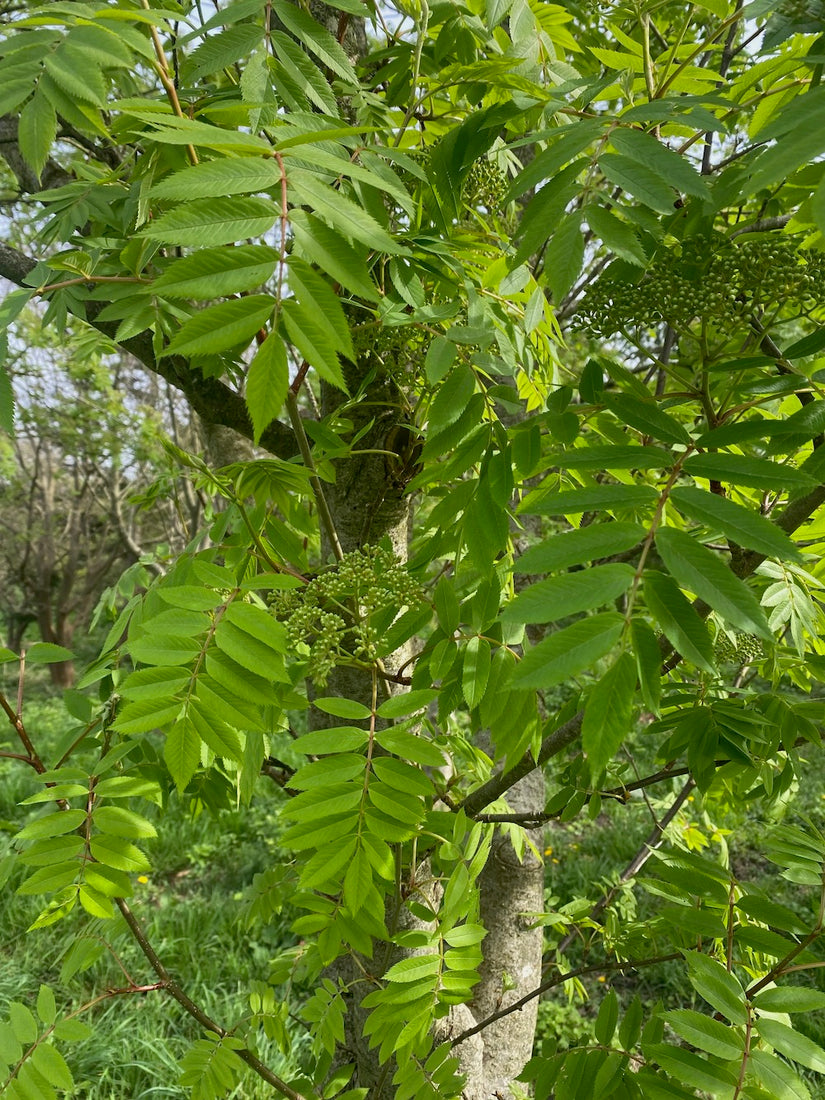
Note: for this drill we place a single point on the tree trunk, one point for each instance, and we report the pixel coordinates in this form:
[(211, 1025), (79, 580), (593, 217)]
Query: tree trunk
[(367, 503)]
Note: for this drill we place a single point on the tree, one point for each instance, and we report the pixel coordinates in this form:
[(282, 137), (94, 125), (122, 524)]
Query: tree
[(554, 275), (85, 446)]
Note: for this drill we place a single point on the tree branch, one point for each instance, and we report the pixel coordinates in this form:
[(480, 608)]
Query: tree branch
[(793, 515), (210, 398), (560, 979)]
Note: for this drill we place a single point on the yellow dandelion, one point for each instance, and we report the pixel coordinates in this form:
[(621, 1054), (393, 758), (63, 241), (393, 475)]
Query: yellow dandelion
[(549, 851), (601, 978), (142, 879)]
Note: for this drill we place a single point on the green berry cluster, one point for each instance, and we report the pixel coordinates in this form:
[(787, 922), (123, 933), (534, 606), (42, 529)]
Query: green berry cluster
[(485, 185), (335, 615), (713, 279), (398, 350), (746, 649)]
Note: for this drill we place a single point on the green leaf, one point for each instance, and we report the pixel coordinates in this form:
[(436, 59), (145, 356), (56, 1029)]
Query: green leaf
[(607, 715), (46, 1007), (778, 1078), (598, 540), (639, 181), (117, 852), (607, 1018), (406, 702), (599, 497), (334, 739), (410, 747), (710, 1036), (314, 341), (568, 652), (6, 407), (452, 398), (691, 1069), (121, 822), (221, 51), (267, 382), (213, 728), (743, 526), (23, 1023), (318, 41), (648, 663), (717, 986), (217, 221), (799, 1048), (556, 598), (646, 417), (48, 1062), (342, 708), (46, 653), (336, 257), (418, 968), (801, 124), (36, 131), (215, 178), (318, 298), (223, 326), (679, 622), (55, 824), (475, 670), (616, 234), (701, 571), (217, 272), (790, 998), (611, 458), (671, 168), (351, 220), (758, 473), (564, 255), (182, 752)]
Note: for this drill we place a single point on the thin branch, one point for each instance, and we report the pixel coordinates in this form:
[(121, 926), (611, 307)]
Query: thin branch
[(194, 1010), (651, 842), (560, 979)]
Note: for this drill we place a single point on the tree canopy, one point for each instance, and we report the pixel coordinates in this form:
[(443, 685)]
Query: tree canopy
[(521, 305)]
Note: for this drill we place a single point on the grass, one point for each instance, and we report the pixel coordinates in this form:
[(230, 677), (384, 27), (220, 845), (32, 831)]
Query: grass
[(188, 906)]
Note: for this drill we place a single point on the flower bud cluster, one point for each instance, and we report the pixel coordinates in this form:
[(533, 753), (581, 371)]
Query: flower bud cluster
[(709, 279), (332, 617), (746, 649)]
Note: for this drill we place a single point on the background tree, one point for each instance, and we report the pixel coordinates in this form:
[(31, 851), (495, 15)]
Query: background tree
[(85, 446), (380, 246)]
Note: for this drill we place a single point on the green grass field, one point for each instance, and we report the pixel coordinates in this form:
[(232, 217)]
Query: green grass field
[(188, 905)]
